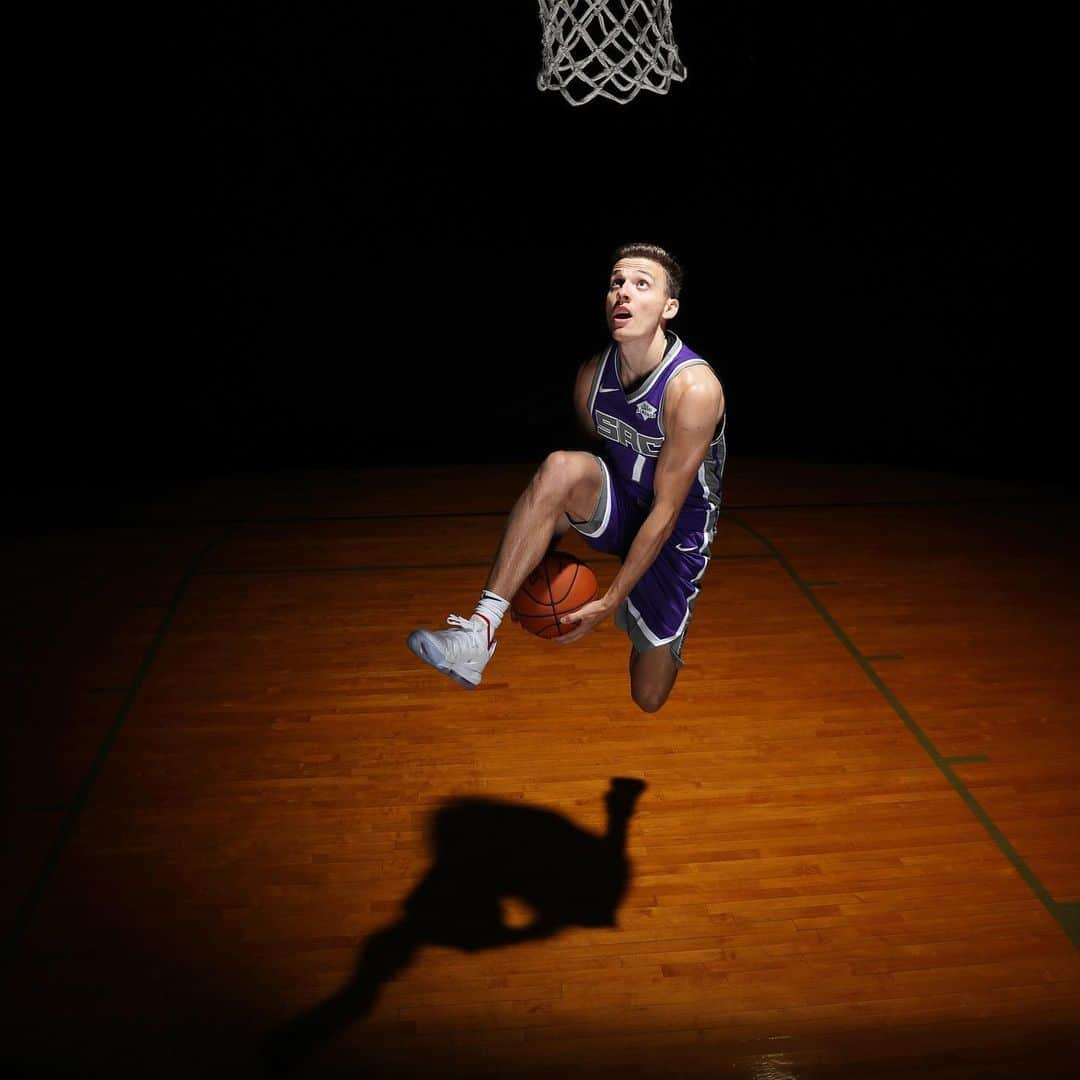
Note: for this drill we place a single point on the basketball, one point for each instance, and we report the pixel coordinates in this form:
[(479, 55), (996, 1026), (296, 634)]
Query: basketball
[(559, 585)]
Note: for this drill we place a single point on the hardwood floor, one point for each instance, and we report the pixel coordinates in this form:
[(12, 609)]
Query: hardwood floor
[(233, 810)]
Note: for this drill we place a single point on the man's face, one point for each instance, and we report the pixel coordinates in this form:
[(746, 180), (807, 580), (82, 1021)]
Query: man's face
[(637, 299)]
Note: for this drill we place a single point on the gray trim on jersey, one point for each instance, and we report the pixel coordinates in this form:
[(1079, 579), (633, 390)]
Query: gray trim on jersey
[(598, 522), (715, 463), (708, 476), (598, 376), (629, 620)]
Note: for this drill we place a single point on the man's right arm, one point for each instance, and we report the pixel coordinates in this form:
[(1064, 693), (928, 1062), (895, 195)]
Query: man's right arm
[(582, 388)]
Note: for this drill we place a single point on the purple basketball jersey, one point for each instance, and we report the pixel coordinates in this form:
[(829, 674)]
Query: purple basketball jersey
[(659, 607), (633, 432)]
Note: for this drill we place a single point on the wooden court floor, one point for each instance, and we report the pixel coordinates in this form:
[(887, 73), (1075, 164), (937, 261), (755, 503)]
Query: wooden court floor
[(247, 832)]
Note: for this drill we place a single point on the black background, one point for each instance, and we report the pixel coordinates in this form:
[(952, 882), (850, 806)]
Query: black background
[(371, 239)]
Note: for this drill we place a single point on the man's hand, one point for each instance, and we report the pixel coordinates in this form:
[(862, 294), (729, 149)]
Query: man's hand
[(587, 617)]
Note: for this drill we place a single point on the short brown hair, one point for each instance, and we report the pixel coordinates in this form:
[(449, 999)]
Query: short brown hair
[(672, 269)]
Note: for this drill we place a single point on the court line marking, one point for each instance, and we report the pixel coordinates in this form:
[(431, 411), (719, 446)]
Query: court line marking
[(1048, 499), (362, 568), (372, 568), (26, 910), (1066, 914), (1070, 912), (74, 808), (1063, 914)]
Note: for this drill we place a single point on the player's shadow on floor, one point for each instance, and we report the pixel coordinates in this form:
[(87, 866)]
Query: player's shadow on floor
[(487, 855)]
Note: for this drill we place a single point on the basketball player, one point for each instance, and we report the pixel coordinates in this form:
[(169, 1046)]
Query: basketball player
[(651, 496)]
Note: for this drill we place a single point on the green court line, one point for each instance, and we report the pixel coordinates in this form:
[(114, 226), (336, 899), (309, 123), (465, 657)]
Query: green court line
[(1047, 499), (24, 914), (368, 568), (1070, 917), (1064, 914), (389, 568), (1027, 499), (741, 555), (968, 759)]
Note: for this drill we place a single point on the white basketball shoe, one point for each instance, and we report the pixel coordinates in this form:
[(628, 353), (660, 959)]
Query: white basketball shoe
[(462, 653)]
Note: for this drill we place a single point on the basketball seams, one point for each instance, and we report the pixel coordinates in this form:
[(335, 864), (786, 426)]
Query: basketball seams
[(538, 601), (551, 602), (542, 617), (539, 625), (556, 601), (535, 599)]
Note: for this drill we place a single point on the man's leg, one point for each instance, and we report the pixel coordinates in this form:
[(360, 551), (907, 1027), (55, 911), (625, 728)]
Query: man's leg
[(567, 483), (652, 675)]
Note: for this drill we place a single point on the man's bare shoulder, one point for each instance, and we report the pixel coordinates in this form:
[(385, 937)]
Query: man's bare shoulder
[(695, 374), (700, 380), (694, 391)]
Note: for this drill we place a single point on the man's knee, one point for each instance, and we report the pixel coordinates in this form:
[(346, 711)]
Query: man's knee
[(652, 677), (567, 477), (650, 695), (560, 469)]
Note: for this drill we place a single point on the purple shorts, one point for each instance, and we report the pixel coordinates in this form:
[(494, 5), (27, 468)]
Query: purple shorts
[(659, 607)]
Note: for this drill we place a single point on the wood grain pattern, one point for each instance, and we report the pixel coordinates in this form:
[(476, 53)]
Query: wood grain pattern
[(223, 764)]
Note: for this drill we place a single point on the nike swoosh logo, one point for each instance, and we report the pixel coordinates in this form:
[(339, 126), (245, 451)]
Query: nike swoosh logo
[(609, 390), (692, 549)]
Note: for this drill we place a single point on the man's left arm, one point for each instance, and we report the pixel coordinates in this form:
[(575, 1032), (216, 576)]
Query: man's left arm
[(690, 423)]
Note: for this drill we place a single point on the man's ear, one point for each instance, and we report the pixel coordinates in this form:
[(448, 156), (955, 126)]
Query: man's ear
[(671, 308)]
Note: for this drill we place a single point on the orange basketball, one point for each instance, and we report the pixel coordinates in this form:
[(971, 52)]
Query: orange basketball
[(559, 585)]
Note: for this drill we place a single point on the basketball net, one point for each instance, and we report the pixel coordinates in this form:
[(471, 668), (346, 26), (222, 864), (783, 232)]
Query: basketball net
[(607, 48)]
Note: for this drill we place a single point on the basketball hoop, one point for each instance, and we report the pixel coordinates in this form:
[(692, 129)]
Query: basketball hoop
[(607, 48)]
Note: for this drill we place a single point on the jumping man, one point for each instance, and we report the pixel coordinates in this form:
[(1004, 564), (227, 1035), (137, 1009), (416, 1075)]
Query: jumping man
[(651, 496)]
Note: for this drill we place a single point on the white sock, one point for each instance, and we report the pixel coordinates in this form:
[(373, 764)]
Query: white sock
[(492, 607)]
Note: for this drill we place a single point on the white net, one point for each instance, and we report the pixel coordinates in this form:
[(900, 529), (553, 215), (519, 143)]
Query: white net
[(607, 48)]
